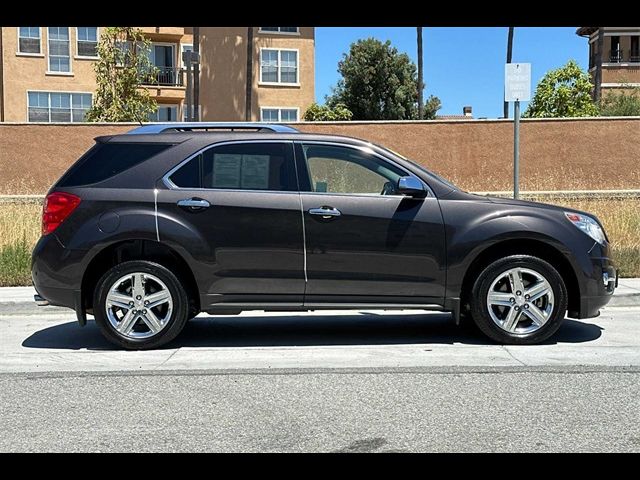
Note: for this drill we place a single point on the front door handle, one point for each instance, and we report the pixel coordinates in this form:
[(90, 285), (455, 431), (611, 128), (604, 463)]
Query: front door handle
[(325, 212), (193, 204)]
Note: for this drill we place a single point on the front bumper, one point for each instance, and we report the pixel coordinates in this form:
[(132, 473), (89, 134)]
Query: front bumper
[(599, 279)]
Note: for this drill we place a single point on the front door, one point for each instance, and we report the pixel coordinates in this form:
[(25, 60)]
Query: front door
[(365, 243), (236, 211)]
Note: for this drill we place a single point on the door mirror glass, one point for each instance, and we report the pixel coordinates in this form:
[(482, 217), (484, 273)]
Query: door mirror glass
[(411, 187)]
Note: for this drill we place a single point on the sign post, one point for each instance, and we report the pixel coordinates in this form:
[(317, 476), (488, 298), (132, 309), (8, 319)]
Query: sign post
[(517, 87)]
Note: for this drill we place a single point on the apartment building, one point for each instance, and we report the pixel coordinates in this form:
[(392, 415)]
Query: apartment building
[(47, 75), (614, 57)]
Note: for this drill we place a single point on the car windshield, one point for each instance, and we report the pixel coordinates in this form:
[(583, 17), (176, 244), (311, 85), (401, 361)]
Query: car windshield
[(417, 164)]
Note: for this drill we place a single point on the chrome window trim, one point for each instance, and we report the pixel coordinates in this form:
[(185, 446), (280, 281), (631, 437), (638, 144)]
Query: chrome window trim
[(370, 151), (172, 186), (363, 148)]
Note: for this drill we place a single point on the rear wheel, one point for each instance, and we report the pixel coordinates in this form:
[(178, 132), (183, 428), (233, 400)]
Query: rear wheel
[(140, 305), (519, 299)]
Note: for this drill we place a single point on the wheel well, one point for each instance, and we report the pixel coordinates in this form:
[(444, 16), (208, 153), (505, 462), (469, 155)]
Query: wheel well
[(138, 250), (523, 247)]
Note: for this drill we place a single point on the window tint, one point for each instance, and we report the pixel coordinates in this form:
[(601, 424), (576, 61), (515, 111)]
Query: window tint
[(246, 166), (105, 160), (335, 169)]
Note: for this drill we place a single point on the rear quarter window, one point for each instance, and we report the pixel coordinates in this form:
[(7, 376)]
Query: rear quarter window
[(106, 160)]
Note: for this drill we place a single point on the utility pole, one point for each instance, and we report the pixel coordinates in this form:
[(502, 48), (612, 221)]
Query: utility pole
[(196, 74), (509, 57), (249, 83), (420, 77), (188, 99), (599, 55)]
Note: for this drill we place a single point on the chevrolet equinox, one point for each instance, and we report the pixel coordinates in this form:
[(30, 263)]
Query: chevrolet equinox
[(148, 229)]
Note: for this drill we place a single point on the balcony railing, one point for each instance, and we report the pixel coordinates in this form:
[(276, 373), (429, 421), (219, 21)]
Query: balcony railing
[(616, 56), (168, 77), (635, 56)]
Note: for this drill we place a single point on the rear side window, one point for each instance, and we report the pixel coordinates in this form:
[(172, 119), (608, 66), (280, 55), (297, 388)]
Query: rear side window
[(105, 160), (241, 166)]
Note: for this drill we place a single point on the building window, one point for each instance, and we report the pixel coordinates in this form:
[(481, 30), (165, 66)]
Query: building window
[(279, 29), (616, 51), (278, 66), (87, 41), (58, 106), (277, 114), (59, 60), (186, 47), (29, 40), (165, 113), (635, 49)]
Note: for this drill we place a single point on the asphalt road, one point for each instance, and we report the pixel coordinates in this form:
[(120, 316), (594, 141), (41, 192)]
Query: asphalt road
[(361, 382)]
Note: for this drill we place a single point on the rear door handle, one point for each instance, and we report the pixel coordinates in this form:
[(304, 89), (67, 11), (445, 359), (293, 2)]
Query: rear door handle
[(325, 212), (194, 204)]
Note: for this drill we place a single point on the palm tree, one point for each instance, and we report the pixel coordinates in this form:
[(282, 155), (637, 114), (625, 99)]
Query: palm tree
[(420, 76), (509, 56), (249, 87)]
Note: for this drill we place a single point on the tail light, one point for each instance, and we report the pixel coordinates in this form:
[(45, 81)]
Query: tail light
[(57, 207)]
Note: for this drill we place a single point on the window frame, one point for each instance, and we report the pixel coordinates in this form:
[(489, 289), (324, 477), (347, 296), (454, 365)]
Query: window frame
[(297, 109), (85, 57), (166, 180), (29, 54), (175, 106), (304, 174), (280, 83), (59, 72), (182, 45), (49, 92), (278, 32)]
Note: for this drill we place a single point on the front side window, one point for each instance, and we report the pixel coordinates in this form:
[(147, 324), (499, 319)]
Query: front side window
[(278, 66), (87, 41), (29, 40), (274, 114), (59, 59), (336, 169), (241, 166), (58, 106)]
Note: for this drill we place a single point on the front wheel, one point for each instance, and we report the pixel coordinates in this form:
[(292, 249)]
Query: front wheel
[(519, 299), (140, 305)]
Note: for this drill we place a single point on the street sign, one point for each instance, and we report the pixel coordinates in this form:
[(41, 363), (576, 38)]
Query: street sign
[(517, 82)]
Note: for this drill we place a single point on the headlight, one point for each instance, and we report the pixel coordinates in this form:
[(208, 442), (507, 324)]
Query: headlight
[(588, 225)]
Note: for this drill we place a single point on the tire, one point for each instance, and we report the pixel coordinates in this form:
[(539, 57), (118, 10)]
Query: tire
[(510, 318), (151, 326)]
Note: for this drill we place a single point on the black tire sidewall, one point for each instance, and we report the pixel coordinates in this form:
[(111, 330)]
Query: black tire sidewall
[(480, 311), (179, 296)]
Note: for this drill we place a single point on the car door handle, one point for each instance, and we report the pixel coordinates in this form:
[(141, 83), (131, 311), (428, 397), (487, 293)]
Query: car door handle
[(325, 212), (193, 204)]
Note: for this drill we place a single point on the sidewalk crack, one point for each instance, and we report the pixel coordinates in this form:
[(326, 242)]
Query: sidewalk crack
[(168, 358), (504, 347)]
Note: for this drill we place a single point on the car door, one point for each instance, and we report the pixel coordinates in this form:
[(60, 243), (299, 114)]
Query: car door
[(366, 244), (235, 208)]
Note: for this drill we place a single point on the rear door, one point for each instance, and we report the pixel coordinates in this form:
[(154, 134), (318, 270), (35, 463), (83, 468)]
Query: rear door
[(365, 243), (238, 207)]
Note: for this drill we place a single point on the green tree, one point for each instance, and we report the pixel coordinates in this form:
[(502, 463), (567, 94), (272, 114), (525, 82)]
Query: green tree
[(123, 67), (620, 104), (325, 113), (431, 107), (564, 92), (377, 82)]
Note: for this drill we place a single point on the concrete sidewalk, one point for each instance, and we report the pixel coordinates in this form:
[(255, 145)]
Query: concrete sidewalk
[(20, 299)]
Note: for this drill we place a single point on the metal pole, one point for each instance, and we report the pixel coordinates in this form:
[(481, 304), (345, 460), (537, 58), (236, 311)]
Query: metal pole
[(196, 75), (516, 149)]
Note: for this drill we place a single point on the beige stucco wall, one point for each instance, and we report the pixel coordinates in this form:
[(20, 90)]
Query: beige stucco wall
[(28, 73), (477, 154), (223, 72), (620, 74)]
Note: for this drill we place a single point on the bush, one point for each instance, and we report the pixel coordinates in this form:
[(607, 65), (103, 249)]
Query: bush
[(324, 113), (15, 264)]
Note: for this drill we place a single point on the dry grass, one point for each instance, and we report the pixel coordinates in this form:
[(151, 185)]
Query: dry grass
[(20, 229)]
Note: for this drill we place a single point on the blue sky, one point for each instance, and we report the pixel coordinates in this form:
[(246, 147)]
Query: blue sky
[(462, 66)]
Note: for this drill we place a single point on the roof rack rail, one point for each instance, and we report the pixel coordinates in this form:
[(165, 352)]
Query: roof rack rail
[(211, 126)]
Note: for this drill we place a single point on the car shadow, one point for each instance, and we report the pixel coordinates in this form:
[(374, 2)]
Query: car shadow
[(301, 330)]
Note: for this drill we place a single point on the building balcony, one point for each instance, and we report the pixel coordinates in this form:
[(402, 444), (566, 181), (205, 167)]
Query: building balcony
[(167, 77), (170, 34), (616, 56)]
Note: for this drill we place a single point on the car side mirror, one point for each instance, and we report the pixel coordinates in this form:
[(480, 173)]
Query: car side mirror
[(411, 187)]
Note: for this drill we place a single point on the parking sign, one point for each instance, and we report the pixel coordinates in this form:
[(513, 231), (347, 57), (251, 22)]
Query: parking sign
[(517, 82)]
